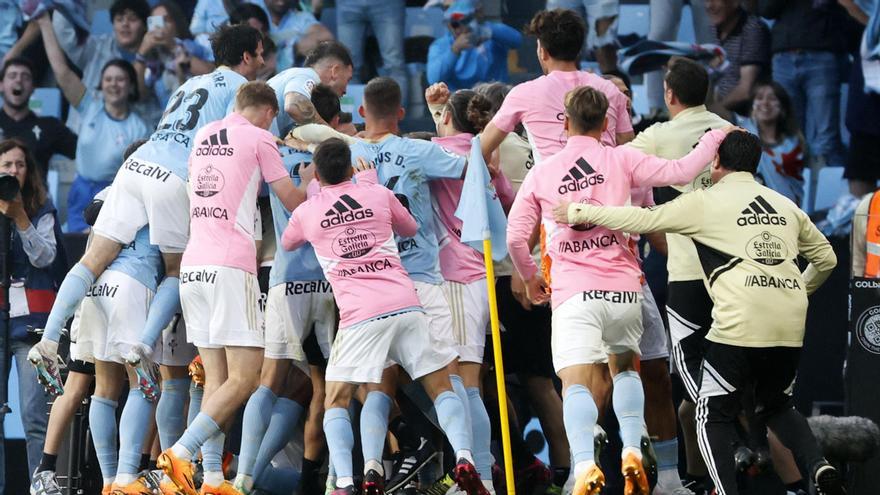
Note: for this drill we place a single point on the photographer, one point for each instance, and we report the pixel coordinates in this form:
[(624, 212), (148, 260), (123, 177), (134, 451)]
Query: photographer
[(472, 51), (30, 259)]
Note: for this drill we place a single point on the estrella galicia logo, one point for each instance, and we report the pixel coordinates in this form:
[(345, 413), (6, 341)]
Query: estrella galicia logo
[(345, 210), (580, 177), (353, 243), (209, 181), (760, 212), (767, 249), (868, 330), (215, 145)]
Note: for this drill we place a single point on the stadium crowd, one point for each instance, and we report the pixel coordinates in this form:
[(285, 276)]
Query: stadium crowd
[(276, 299)]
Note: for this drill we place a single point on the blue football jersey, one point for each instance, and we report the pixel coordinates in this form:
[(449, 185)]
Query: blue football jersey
[(405, 166), (140, 260), (300, 80), (198, 101), (300, 264)]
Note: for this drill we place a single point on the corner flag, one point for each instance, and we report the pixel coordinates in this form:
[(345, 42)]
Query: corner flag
[(479, 208)]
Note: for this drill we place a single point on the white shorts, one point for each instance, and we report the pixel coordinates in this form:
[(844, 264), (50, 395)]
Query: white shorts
[(111, 317), (145, 193), (361, 352), (469, 305), (221, 306), (293, 311), (654, 343), (75, 352), (173, 348), (438, 313), (592, 324)]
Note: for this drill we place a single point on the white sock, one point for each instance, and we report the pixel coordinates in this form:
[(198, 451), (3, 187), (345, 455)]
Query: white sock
[(668, 478), (245, 481), (582, 467), (466, 455), (487, 484), (374, 465), (125, 479), (181, 452), (213, 478), (109, 481), (344, 481)]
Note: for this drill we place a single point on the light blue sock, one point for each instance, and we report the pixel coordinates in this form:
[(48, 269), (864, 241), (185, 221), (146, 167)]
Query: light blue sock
[(212, 453), (102, 423), (579, 414), (628, 400), (340, 440), (374, 425), (459, 390), (282, 426), (195, 402), (72, 291), (136, 414), (165, 304), (278, 480), (169, 411), (481, 429), (667, 454), (199, 431), (257, 414), (453, 420)]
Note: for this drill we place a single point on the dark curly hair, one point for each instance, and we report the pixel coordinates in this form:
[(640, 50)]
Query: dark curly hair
[(33, 192), (561, 32)]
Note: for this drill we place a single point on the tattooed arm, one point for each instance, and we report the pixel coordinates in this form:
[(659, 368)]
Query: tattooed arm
[(300, 109)]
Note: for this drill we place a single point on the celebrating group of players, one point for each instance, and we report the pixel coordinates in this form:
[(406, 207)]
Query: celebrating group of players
[(371, 265)]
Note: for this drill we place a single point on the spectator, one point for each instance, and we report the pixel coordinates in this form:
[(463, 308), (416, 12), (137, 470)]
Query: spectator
[(107, 127), (294, 31), (472, 51), (387, 19), (32, 261), (210, 15), (91, 55), (45, 136), (782, 161), (11, 15), (251, 14), (664, 23), (601, 20), (746, 40), (863, 122), (168, 55), (809, 46)]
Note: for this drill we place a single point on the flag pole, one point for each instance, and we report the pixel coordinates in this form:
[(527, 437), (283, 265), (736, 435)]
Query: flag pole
[(499, 366)]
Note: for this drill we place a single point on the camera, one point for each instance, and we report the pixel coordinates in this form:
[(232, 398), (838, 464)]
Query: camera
[(8, 187)]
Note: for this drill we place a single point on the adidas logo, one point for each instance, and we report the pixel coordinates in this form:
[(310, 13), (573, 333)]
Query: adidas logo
[(759, 212), (580, 177), (344, 211), (216, 145)]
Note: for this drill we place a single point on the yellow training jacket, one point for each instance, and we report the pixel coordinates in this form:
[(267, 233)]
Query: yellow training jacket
[(747, 238)]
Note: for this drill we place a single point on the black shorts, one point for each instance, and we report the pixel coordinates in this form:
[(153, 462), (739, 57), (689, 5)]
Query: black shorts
[(83, 367), (863, 162), (525, 343), (689, 309), (314, 356), (728, 371)]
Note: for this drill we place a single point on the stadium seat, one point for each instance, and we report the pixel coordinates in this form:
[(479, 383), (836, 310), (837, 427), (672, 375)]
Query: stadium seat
[(634, 19), (424, 22), (353, 98), (101, 22), (831, 186), (46, 102)]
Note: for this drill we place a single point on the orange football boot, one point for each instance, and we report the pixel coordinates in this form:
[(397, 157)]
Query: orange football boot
[(590, 482), (634, 476), (179, 470)]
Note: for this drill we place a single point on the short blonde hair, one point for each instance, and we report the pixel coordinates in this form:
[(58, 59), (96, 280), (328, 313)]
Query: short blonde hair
[(256, 93), (586, 108)]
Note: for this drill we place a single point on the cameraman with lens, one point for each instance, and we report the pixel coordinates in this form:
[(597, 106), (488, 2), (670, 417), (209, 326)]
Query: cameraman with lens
[(29, 272)]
